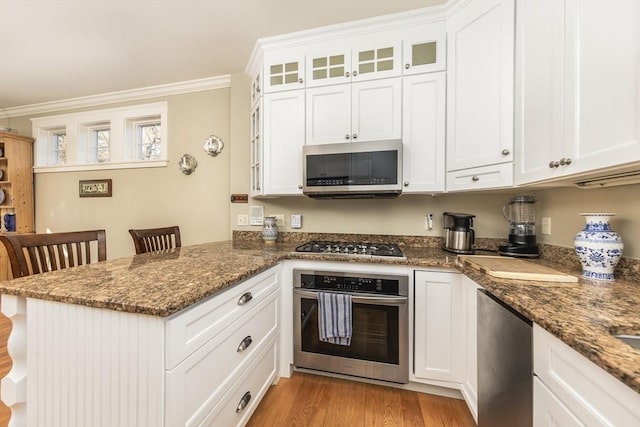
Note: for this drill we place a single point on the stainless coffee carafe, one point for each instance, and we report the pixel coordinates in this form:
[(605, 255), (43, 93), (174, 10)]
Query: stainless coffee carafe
[(459, 237)]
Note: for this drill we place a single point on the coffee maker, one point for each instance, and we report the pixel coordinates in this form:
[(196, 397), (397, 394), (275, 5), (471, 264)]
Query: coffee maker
[(459, 237), (521, 215)]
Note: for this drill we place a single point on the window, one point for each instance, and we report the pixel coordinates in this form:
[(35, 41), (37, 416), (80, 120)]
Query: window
[(116, 138), (100, 144), (58, 144), (149, 140)]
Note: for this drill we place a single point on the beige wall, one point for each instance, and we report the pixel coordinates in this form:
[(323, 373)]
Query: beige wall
[(150, 197)]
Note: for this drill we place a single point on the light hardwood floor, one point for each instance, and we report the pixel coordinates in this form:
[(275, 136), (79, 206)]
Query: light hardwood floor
[(312, 400)]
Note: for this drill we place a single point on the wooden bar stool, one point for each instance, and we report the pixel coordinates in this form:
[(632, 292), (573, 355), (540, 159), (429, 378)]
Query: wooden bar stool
[(40, 253), (155, 239)]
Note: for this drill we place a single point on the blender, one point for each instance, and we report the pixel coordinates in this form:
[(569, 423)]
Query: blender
[(521, 215)]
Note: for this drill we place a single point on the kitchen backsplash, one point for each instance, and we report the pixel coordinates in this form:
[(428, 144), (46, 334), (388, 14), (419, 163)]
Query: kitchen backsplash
[(627, 269)]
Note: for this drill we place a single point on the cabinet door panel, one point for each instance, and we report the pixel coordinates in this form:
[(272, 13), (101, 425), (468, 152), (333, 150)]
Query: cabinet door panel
[(548, 410), (328, 114), (438, 326), (283, 139), (376, 110), (424, 49), (376, 59), (539, 90), (328, 65), (603, 90), (423, 132), (283, 71), (480, 85)]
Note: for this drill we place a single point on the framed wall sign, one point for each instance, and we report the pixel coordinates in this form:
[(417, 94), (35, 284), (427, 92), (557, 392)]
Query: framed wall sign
[(95, 188)]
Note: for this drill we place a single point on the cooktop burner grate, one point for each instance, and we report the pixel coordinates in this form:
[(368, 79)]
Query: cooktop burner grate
[(370, 249)]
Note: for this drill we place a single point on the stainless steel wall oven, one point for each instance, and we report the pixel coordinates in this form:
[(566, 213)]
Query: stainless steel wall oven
[(380, 339)]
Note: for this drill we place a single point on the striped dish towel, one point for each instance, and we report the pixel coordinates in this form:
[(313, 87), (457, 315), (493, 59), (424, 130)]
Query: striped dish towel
[(334, 318)]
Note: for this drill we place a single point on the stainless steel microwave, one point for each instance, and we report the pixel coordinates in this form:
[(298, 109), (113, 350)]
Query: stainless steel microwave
[(353, 170)]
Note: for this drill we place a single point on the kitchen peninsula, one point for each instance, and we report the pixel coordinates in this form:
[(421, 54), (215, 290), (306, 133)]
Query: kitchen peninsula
[(142, 340)]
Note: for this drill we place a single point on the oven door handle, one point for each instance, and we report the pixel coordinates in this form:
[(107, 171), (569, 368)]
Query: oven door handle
[(357, 298)]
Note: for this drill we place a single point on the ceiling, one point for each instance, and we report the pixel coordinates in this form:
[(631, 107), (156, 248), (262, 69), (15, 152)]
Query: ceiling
[(56, 50)]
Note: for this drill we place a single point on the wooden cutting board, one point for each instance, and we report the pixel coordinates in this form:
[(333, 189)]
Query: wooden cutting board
[(514, 268)]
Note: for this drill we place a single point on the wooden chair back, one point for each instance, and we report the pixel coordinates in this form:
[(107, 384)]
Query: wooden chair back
[(40, 253), (155, 239)]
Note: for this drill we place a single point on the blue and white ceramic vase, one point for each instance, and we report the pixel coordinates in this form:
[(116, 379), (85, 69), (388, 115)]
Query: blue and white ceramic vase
[(598, 247), (270, 229)]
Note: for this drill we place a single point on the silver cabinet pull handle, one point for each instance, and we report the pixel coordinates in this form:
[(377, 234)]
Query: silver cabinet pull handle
[(243, 402), (567, 161), (355, 73), (505, 152), (407, 66), (552, 164), (245, 298), (475, 178), (244, 344), (300, 80), (299, 187), (346, 74), (354, 136), (406, 183)]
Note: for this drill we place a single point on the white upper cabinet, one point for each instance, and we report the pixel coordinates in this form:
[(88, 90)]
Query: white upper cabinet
[(283, 139), (283, 70), (480, 84), (354, 60), (423, 132), (578, 92), (424, 49), (366, 111)]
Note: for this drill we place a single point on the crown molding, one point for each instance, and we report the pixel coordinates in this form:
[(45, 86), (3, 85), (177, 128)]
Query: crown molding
[(218, 82)]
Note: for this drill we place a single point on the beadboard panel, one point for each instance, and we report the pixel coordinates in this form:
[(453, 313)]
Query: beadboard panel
[(93, 367)]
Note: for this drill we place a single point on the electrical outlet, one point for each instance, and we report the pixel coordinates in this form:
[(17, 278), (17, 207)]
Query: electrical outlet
[(279, 220), (546, 225), (243, 219), (296, 221)]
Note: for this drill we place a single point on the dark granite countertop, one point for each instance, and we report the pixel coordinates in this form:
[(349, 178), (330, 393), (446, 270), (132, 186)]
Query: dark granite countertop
[(585, 316)]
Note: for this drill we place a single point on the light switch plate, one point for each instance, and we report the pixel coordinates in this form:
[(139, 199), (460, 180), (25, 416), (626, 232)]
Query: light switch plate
[(243, 219), (256, 215), (279, 220), (296, 221)]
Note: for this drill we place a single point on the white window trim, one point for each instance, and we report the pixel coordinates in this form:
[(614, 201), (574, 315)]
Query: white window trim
[(122, 140)]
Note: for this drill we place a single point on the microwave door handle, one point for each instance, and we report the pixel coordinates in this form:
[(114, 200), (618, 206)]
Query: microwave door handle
[(386, 300)]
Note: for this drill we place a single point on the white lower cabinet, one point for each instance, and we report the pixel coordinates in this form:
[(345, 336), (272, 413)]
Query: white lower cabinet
[(469, 386), (571, 390), (439, 327)]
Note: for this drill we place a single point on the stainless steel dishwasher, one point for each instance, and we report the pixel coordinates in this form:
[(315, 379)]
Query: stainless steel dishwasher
[(505, 365)]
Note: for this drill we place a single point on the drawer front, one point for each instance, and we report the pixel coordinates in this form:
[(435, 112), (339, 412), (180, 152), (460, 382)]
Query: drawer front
[(494, 176), (195, 386), (593, 395), (548, 411), (190, 330), (255, 383)]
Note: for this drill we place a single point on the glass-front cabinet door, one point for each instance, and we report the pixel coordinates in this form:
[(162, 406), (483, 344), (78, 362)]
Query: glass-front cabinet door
[(424, 49), (376, 60), (256, 149), (283, 71), (327, 65)]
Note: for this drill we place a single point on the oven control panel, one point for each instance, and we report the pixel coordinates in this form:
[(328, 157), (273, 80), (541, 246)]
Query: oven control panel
[(351, 282)]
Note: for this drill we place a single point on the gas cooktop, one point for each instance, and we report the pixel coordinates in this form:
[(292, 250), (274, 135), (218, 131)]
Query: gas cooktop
[(363, 249)]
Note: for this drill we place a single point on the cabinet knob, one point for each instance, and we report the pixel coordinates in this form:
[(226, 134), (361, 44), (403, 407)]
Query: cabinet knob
[(554, 164), (258, 89), (406, 183), (475, 178), (505, 152), (347, 136), (243, 402), (407, 66), (300, 187), (564, 161), (346, 74), (355, 73), (568, 161), (354, 136), (245, 298), (300, 80), (244, 344)]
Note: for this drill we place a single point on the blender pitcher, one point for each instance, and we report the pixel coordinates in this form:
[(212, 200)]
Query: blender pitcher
[(521, 214)]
